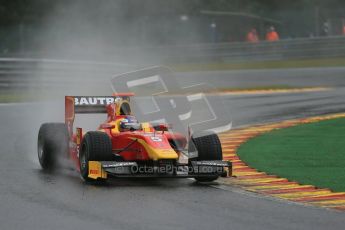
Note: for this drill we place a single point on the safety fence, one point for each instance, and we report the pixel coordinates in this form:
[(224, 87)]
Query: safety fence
[(24, 72), (309, 48), (21, 73)]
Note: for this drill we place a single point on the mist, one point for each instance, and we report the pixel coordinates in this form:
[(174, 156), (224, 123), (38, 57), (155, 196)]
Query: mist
[(76, 47)]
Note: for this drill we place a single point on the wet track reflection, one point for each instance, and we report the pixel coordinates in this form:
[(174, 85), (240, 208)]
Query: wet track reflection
[(32, 199)]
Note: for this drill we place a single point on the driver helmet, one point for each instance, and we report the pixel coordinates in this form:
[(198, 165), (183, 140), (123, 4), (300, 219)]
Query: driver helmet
[(129, 123)]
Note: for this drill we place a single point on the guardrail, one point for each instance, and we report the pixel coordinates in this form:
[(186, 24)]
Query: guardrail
[(21, 73), (28, 72)]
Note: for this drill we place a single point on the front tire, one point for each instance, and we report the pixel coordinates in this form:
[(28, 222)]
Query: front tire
[(52, 143), (208, 147), (96, 146)]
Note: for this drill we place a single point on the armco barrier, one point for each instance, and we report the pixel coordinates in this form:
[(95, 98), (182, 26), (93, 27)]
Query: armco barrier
[(20, 72)]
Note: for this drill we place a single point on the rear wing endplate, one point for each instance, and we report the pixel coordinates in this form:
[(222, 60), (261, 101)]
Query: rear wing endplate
[(89, 104)]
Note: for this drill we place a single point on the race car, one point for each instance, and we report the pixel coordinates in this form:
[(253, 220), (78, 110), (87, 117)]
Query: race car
[(124, 147)]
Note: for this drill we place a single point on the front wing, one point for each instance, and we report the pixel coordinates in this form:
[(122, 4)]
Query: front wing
[(104, 169)]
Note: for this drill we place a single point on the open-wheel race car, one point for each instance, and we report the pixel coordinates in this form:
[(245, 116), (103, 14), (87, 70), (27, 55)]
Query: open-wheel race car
[(123, 147)]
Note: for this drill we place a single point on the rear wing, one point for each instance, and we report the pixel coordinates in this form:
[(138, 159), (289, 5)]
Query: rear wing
[(89, 104)]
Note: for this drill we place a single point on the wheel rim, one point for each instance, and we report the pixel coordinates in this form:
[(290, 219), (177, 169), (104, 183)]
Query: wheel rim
[(40, 148)]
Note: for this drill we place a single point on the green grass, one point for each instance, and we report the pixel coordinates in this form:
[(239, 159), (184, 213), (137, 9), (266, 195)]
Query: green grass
[(9, 96), (42, 95), (310, 153), (297, 63)]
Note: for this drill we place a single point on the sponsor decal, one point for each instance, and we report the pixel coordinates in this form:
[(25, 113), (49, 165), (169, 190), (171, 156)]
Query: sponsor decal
[(156, 139), (209, 163), (94, 100), (147, 134), (119, 164), (94, 171)]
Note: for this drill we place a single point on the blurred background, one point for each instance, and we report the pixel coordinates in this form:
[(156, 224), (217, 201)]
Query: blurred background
[(89, 28), (262, 61), (51, 43)]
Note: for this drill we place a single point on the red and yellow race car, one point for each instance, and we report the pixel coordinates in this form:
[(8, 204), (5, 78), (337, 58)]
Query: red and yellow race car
[(123, 147)]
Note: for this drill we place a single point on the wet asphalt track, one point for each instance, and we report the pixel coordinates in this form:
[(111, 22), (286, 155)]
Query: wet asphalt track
[(31, 199)]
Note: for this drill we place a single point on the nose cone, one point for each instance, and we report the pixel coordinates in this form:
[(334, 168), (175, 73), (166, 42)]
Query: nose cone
[(158, 147)]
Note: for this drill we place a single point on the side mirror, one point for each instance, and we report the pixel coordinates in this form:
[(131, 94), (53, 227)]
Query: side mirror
[(106, 126)]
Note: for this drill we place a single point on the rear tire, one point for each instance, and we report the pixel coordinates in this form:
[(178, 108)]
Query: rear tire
[(96, 146), (52, 143), (208, 147)]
